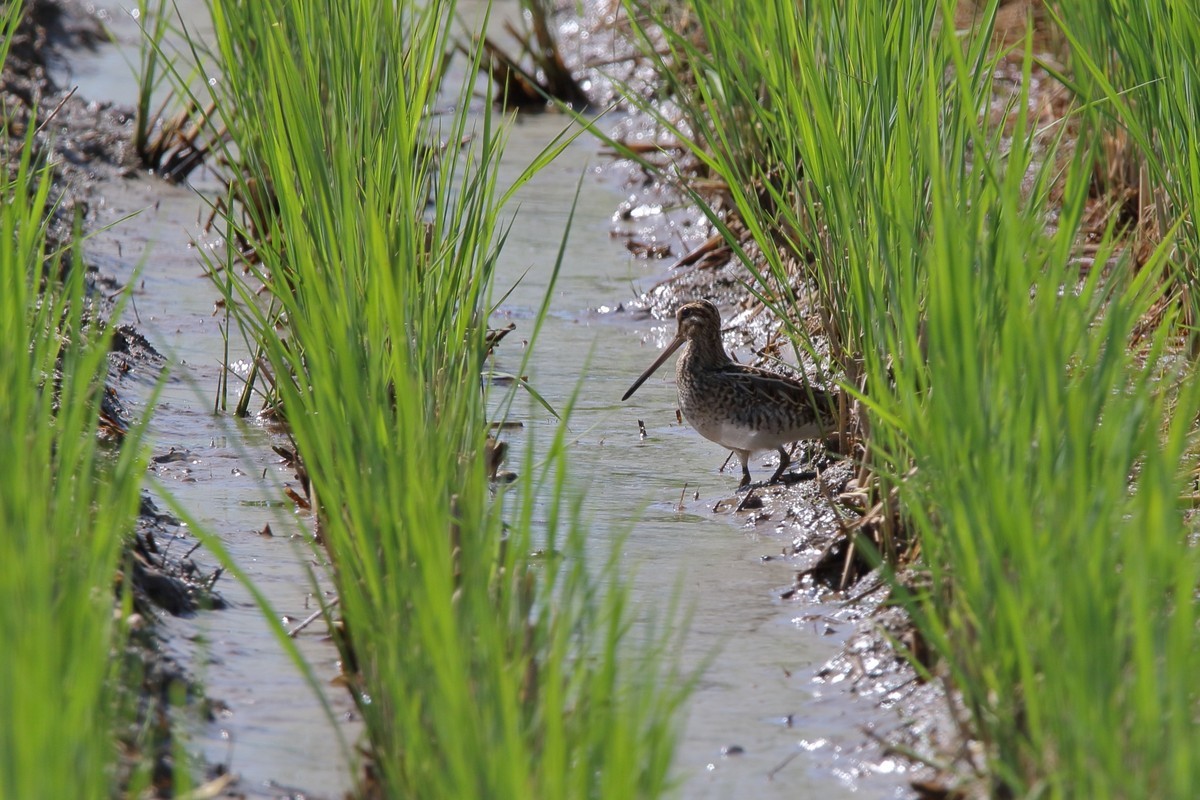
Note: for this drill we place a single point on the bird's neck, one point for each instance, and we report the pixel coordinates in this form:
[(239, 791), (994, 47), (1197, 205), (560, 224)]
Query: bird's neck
[(706, 352)]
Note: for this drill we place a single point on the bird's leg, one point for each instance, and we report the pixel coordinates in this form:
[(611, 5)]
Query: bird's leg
[(784, 461), (744, 456)]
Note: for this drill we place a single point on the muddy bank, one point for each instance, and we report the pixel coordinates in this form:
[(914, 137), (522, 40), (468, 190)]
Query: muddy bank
[(85, 143), (816, 517)]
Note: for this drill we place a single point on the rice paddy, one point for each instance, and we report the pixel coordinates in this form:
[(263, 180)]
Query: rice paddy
[(974, 222)]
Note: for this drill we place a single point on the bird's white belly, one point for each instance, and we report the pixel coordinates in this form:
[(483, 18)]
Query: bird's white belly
[(740, 437)]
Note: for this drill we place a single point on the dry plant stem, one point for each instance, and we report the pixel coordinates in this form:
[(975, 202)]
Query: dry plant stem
[(313, 617), (42, 125)]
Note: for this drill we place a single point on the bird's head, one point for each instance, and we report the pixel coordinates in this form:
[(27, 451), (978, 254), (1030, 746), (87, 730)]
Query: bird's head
[(698, 319)]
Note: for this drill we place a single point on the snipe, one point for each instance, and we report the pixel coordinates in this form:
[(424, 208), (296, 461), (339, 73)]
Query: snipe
[(743, 408)]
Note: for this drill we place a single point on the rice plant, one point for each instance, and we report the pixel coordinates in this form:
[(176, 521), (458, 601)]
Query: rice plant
[(176, 145), (481, 669), (1140, 105), (67, 504), (1029, 408)]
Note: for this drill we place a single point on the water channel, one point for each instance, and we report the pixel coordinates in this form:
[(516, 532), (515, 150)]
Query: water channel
[(758, 726)]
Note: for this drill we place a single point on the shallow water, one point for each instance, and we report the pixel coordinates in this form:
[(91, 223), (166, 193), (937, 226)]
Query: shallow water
[(758, 693), (274, 729), (788, 737)]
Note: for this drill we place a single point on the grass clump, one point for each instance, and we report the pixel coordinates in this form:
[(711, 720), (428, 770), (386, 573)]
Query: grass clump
[(1050, 461), (1140, 107), (67, 505), (1037, 455), (480, 668)]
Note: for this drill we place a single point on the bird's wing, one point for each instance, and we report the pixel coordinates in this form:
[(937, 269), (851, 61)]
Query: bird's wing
[(775, 389)]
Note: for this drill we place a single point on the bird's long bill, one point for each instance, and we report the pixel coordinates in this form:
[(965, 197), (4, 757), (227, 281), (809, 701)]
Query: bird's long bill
[(658, 362)]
